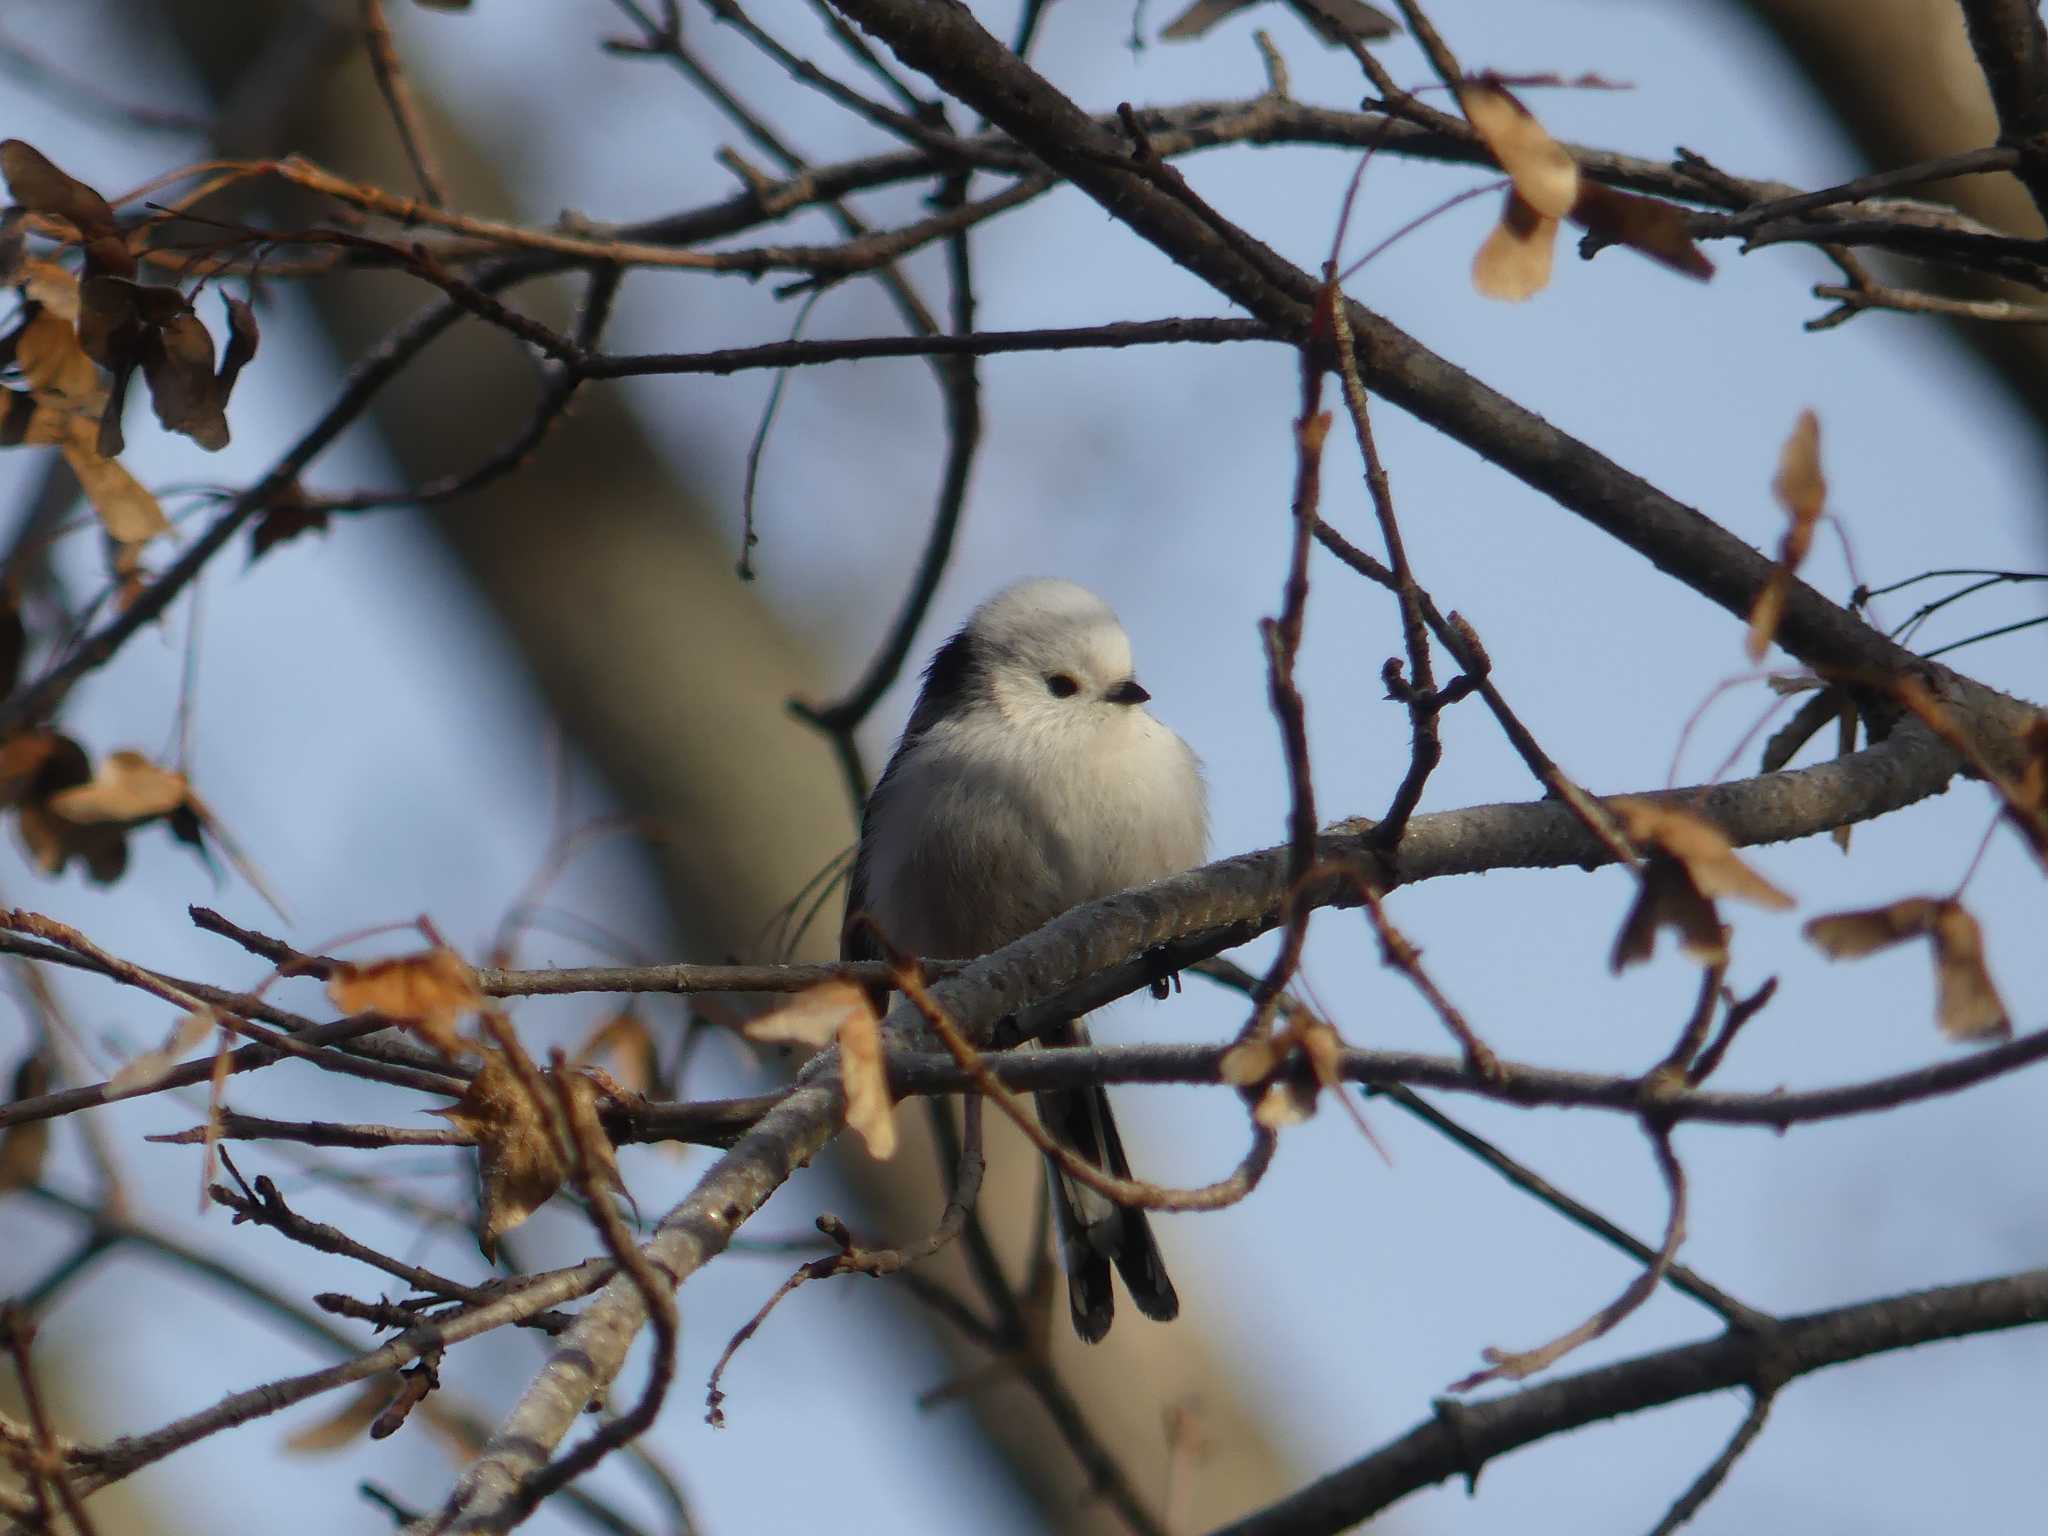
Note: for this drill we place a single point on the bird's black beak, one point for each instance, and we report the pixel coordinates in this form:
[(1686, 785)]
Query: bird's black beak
[(1127, 692)]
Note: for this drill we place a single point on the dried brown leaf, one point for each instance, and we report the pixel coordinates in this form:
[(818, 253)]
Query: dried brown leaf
[(53, 286), (151, 1067), (130, 515), (429, 992), (869, 1110), (1544, 173), (624, 1038), (288, 515), (1514, 261), (1802, 491), (1799, 485), (1967, 1004), (1851, 935), (1666, 897), (520, 1163), (351, 1421), (48, 766), (1701, 847), (41, 188), (1333, 21), (128, 790), (177, 360), (814, 1017), (56, 368), (1647, 225)]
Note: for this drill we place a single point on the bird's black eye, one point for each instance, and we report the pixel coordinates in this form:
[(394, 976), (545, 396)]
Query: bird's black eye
[(1061, 686)]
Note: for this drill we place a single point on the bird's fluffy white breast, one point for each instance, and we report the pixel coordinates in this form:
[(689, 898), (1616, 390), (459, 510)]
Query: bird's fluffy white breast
[(990, 826)]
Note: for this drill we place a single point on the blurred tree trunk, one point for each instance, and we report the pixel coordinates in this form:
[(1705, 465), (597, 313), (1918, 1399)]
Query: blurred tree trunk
[(670, 675), (1902, 80)]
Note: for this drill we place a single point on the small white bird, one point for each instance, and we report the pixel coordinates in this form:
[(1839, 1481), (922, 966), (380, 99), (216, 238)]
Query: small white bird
[(1031, 779)]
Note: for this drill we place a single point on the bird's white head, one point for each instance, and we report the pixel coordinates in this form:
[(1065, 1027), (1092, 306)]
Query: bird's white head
[(1050, 649)]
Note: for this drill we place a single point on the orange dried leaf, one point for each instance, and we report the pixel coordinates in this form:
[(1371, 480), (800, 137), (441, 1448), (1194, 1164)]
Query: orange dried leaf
[(814, 1017), (126, 510), (57, 370), (1544, 174), (429, 991), (151, 1067), (1799, 485), (53, 286), (1802, 491), (128, 790), (1514, 261), (869, 1109), (1967, 1004), (520, 1163)]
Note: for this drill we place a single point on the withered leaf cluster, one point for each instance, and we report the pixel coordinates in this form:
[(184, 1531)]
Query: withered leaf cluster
[(531, 1125), (1967, 1005), (1688, 864), (67, 810), (82, 336), (1546, 188)]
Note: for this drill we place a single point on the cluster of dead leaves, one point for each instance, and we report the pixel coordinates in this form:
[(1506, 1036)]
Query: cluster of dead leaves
[(1288, 1068), (1689, 864), (841, 1013), (83, 336), (535, 1129), (1546, 188), (65, 809), (1967, 1004)]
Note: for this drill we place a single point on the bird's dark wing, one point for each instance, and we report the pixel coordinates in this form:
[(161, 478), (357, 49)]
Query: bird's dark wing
[(950, 680)]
